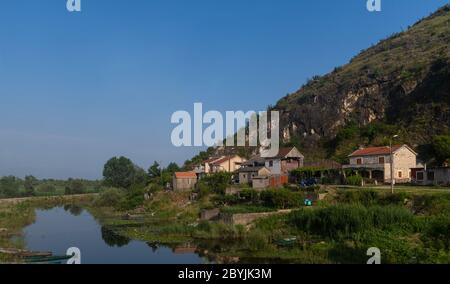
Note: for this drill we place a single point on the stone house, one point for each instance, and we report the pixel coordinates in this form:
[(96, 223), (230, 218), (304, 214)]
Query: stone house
[(184, 181), (375, 163), (285, 161)]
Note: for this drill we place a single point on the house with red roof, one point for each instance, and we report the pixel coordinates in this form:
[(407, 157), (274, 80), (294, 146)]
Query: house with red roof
[(375, 163), (184, 181)]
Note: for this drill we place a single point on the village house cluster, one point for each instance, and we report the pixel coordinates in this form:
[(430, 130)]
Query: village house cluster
[(378, 165)]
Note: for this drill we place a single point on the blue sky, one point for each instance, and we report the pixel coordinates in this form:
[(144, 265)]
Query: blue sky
[(79, 88)]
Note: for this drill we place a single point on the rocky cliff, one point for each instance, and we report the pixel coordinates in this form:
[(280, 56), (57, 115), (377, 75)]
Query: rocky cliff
[(403, 81)]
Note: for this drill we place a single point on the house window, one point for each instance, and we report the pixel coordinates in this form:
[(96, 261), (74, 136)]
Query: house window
[(430, 176), (400, 174), (419, 175), (381, 160), (270, 163), (359, 161), (244, 175)]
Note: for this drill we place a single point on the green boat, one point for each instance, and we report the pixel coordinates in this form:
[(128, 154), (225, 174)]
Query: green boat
[(288, 242), (47, 259)]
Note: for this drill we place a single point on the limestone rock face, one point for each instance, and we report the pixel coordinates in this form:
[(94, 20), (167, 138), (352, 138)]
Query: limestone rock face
[(403, 80)]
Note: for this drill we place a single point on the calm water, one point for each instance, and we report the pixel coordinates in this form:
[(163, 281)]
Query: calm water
[(60, 228)]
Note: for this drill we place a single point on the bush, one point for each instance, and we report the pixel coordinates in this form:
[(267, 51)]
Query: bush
[(250, 195), (133, 199), (74, 186), (203, 189), (438, 233), (218, 182), (355, 180), (9, 187), (110, 197), (282, 198)]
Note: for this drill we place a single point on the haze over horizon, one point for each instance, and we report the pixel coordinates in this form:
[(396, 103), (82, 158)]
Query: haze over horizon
[(79, 88)]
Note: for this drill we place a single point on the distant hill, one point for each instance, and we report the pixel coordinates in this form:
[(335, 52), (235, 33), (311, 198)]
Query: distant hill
[(399, 86)]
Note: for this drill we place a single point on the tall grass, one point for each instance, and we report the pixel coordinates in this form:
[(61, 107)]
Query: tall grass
[(344, 221)]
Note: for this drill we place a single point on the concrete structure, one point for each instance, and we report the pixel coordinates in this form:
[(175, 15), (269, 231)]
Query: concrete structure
[(184, 181), (375, 163), (247, 174), (260, 182), (431, 176), (288, 159)]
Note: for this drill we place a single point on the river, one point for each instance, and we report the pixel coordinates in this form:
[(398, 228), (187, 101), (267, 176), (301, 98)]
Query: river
[(60, 228)]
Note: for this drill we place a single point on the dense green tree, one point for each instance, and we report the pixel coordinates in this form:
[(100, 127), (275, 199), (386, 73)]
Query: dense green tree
[(30, 183), (172, 167), (9, 186), (155, 170), (119, 172), (140, 177), (441, 148), (75, 186)]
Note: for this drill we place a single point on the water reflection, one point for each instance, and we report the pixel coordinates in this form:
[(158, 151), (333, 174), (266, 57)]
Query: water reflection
[(60, 228), (75, 210), (112, 239)]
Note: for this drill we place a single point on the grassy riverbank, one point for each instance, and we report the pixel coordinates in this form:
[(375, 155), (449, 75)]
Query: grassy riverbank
[(408, 227), (411, 226)]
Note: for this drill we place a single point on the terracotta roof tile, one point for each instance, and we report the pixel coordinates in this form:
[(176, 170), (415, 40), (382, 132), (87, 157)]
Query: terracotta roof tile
[(385, 150), (185, 175)]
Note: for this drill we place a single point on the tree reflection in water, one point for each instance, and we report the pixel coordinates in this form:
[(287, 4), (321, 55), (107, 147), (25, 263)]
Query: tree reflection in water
[(112, 239), (73, 209)]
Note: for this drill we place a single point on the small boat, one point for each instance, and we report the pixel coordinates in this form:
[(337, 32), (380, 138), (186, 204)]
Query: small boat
[(47, 259), (287, 242)]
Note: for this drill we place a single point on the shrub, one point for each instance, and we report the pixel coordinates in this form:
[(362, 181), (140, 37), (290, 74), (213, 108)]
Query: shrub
[(74, 186), (250, 195), (218, 182), (355, 180), (9, 187), (438, 233), (110, 197), (281, 198), (133, 199)]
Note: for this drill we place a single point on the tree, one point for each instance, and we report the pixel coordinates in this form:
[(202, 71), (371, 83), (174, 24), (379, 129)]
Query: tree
[(155, 170), (75, 186), (119, 172), (30, 184), (441, 148), (172, 168), (9, 186), (140, 177)]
